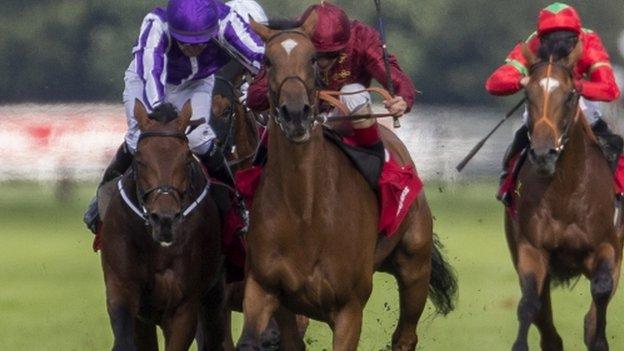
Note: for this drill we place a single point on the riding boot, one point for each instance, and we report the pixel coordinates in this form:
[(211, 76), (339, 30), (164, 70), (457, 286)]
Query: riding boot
[(366, 132), (610, 143), (218, 168), (519, 143), (119, 165)]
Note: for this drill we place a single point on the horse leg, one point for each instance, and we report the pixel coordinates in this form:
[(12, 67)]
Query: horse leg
[(180, 328), (532, 266), (412, 262), (550, 339), (145, 336), (258, 308), (347, 326), (122, 304), (605, 271), (290, 337), (214, 319)]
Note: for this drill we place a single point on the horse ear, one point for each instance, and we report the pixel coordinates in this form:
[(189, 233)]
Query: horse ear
[(263, 31), (574, 56), (185, 116), (141, 115), (310, 24), (529, 56)]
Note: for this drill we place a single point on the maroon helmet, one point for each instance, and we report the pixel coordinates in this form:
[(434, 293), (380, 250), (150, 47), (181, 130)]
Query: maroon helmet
[(333, 28)]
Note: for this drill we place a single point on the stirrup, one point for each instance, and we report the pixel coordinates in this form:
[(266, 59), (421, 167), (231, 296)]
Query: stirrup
[(92, 216)]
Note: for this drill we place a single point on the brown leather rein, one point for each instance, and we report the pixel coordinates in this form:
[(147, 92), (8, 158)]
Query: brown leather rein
[(333, 97)]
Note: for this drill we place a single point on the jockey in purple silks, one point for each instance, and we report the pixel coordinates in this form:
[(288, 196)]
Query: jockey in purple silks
[(178, 50)]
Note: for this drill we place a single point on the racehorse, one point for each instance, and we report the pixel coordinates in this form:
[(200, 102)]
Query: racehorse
[(237, 131), (161, 251), (234, 125), (563, 223), (313, 243)]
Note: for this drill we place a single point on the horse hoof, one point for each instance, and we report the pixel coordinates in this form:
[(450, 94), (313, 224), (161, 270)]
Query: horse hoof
[(599, 345), (553, 346), (244, 346), (520, 346)]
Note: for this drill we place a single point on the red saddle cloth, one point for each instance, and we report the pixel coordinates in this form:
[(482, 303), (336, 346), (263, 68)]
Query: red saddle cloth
[(399, 187)]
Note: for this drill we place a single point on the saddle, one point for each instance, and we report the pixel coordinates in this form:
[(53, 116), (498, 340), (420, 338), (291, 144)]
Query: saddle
[(368, 161)]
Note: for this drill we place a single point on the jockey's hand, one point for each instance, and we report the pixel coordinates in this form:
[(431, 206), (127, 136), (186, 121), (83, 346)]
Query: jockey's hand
[(396, 106), (524, 81)]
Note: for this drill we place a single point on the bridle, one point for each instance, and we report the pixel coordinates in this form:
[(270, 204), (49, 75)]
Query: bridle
[(162, 189), (274, 96), (573, 96), (230, 115)]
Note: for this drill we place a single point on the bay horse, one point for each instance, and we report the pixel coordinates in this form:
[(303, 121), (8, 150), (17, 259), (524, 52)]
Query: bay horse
[(313, 243), (161, 252), (563, 224)]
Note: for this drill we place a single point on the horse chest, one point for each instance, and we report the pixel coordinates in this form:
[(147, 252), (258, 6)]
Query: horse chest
[(551, 232)]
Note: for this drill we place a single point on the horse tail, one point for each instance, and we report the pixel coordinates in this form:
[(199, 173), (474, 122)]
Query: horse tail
[(443, 282)]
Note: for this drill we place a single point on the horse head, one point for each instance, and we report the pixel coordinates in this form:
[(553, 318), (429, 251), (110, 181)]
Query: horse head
[(289, 62), (162, 165), (553, 106)]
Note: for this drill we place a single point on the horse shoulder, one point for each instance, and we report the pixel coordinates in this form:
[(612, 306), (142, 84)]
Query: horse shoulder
[(395, 146)]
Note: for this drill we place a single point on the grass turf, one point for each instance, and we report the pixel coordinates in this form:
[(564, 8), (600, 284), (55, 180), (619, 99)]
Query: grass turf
[(52, 293)]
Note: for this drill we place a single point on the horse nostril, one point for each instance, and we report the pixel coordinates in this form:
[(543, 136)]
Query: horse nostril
[(284, 111), (155, 218), (307, 110), (552, 152)]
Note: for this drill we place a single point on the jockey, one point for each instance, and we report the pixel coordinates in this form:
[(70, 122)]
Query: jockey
[(178, 50), (349, 57), (558, 32)]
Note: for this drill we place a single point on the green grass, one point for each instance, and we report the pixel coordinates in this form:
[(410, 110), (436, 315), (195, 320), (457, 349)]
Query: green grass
[(52, 293)]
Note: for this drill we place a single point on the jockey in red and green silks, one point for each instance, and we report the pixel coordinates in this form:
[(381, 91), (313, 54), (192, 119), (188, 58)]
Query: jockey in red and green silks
[(559, 29), (178, 50)]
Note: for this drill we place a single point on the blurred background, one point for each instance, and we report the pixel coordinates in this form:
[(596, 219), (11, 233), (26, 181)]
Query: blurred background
[(61, 119)]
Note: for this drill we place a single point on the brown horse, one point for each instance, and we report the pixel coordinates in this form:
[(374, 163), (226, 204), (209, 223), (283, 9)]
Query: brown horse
[(161, 243), (564, 224), (313, 243), (234, 125)]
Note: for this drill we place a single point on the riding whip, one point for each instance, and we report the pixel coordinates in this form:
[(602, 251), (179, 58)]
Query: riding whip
[(384, 46), (478, 147)]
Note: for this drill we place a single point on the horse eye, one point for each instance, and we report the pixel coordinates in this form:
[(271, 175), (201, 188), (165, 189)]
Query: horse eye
[(267, 62)]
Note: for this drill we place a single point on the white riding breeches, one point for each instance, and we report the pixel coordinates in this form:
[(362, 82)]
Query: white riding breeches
[(591, 110), (354, 102), (199, 92)]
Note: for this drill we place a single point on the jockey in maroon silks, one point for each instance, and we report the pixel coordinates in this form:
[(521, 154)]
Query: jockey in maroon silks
[(559, 30), (350, 56)]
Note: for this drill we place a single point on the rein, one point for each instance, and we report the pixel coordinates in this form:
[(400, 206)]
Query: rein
[(329, 96), (161, 189), (236, 94)]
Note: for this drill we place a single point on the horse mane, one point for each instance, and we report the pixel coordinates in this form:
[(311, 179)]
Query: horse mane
[(164, 113), (284, 23)]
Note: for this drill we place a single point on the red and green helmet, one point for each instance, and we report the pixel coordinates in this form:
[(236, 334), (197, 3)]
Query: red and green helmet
[(558, 16)]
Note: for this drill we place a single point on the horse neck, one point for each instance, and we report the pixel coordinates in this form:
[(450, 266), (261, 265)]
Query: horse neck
[(245, 137), (298, 171), (573, 162)]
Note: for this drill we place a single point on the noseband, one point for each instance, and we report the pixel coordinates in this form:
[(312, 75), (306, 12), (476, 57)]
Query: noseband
[(161, 189)]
